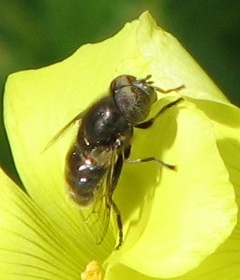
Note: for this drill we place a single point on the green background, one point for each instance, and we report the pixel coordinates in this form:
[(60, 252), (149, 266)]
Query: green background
[(35, 33)]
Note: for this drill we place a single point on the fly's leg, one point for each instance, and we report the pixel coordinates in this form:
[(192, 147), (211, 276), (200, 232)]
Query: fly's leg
[(170, 89), (148, 123), (148, 159), (114, 180), (119, 223)]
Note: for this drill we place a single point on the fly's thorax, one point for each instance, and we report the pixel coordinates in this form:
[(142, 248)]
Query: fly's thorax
[(103, 124)]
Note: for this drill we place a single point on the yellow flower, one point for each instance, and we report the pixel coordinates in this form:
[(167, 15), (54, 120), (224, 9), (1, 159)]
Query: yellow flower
[(179, 224)]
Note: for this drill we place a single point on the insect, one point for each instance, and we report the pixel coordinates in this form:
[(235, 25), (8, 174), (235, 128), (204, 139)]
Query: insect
[(103, 143)]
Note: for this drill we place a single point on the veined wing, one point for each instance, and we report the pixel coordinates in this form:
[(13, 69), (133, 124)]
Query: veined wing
[(61, 131), (99, 216)]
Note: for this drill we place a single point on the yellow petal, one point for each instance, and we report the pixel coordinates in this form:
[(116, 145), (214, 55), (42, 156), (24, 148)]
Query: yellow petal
[(31, 246), (192, 210), (161, 55)]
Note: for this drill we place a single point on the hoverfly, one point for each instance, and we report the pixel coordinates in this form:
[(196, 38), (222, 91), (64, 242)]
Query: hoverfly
[(103, 143)]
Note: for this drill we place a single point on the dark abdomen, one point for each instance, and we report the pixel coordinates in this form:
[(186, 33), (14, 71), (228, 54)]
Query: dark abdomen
[(83, 175)]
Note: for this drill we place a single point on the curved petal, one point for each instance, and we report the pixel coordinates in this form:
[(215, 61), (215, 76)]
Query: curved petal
[(169, 63), (192, 211), (31, 246)]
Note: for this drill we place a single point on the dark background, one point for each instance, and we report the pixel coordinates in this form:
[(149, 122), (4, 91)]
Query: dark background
[(35, 33)]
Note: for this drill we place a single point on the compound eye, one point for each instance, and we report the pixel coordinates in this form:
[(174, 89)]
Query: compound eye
[(122, 81), (147, 89)]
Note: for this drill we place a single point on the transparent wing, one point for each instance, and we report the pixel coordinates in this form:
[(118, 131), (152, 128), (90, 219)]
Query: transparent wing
[(60, 132), (98, 218)]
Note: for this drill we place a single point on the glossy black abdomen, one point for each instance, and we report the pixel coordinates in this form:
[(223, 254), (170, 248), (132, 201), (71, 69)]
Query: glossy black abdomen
[(84, 175)]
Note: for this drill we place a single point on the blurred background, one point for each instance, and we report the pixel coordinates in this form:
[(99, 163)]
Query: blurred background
[(41, 32)]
